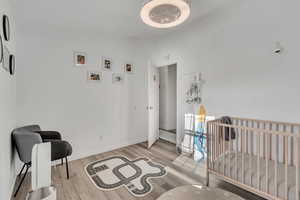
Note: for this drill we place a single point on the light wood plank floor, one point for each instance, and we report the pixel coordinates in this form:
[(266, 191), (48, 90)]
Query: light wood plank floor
[(79, 187)]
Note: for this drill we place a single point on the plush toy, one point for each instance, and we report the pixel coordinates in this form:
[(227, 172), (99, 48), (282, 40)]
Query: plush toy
[(202, 113), (200, 139)]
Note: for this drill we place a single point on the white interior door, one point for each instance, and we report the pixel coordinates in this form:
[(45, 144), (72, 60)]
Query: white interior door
[(153, 105)]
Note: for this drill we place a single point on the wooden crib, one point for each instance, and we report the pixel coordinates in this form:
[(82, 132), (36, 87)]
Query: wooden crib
[(259, 156)]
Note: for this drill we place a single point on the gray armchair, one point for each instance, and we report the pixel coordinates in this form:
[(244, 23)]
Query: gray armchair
[(26, 137)]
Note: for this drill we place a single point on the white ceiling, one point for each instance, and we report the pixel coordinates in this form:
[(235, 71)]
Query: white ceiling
[(118, 17)]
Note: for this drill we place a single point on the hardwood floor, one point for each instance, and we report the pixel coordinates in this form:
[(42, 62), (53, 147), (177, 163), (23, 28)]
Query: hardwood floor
[(79, 186)]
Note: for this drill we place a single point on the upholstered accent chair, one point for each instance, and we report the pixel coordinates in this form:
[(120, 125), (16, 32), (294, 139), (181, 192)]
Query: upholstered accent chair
[(24, 138)]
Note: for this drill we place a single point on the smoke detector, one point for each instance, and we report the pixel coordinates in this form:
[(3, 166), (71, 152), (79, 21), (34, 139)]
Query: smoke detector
[(165, 13)]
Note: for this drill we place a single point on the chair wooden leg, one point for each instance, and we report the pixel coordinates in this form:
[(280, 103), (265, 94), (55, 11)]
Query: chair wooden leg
[(21, 170), (67, 168), (62, 161), (22, 180)]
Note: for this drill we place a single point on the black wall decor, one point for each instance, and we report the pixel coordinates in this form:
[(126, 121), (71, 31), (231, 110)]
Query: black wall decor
[(1, 49), (6, 27), (12, 64)]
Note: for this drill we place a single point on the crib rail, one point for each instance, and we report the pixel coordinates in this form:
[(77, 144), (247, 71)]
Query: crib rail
[(257, 155)]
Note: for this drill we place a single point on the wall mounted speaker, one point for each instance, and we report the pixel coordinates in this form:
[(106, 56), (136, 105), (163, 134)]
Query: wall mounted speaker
[(6, 27)]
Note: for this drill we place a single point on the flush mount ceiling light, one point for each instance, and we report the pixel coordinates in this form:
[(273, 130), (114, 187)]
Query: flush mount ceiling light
[(165, 13)]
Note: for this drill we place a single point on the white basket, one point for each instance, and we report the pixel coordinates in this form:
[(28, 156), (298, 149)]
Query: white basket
[(46, 193)]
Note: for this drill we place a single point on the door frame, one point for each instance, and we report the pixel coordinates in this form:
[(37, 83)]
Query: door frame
[(166, 61)]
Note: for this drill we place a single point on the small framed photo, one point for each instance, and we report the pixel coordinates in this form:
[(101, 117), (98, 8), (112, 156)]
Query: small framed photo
[(6, 27), (94, 76), (12, 64), (128, 68), (117, 78), (80, 59), (107, 63)]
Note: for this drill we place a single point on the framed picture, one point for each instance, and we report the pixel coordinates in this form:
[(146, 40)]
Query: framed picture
[(80, 59), (94, 76), (6, 27), (12, 64), (128, 68), (117, 78), (107, 63)]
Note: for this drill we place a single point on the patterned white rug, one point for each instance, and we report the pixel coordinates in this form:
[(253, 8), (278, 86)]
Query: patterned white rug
[(119, 171)]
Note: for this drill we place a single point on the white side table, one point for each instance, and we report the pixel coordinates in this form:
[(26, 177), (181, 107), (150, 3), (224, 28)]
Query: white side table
[(198, 192)]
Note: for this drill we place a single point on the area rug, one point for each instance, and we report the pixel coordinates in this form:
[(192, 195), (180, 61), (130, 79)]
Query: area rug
[(118, 171)]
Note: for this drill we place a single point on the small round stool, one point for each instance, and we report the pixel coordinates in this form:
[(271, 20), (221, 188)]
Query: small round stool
[(198, 192)]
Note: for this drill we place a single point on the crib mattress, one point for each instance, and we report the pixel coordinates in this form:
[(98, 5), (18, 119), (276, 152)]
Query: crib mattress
[(233, 169)]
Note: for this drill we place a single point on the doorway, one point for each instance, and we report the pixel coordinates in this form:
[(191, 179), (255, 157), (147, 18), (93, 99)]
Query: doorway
[(164, 113), (168, 103)]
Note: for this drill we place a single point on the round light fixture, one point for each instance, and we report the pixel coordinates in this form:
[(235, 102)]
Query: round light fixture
[(165, 13)]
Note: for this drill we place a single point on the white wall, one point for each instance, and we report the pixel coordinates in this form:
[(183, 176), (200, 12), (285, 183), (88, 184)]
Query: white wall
[(167, 97), (93, 117), (172, 93), (163, 98), (233, 48), (7, 111)]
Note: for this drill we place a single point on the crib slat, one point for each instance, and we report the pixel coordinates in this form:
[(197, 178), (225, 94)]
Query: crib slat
[(224, 150), (212, 145), (264, 139), (250, 156), (246, 134), (216, 141), (292, 145), (215, 144), (284, 144), (219, 144), (229, 152), (267, 164), (286, 150), (236, 154), (251, 139), (296, 139), (276, 161), (220, 147), (208, 151), (243, 155), (258, 161), (207, 146), (270, 141)]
